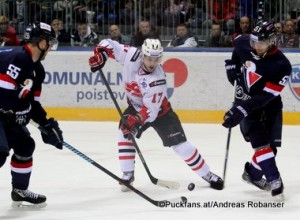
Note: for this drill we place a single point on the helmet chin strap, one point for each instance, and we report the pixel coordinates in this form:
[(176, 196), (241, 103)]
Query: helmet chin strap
[(42, 51)]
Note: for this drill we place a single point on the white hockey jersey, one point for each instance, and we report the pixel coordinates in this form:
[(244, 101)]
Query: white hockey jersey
[(146, 92)]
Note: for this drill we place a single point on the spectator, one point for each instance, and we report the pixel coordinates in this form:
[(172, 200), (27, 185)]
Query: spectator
[(145, 31), (84, 36), (63, 38), (223, 12), (289, 39), (278, 32), (217, 37), (183, 38), (172, 13), (115, 34), (8, 35), (127, 13), (245, 27)]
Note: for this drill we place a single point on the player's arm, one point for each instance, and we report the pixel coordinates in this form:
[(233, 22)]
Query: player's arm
[(272, 89), (233, 67), (153, 100), (107, 49), (53, 135)]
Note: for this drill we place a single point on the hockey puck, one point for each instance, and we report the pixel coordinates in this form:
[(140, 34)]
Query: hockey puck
[(191, 186)]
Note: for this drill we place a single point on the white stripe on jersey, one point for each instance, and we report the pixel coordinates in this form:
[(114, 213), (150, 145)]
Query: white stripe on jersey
[(7, 85)]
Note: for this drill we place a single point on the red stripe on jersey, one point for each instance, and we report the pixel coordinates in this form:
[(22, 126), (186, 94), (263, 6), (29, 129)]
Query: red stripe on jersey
[(125, 144), (21, 165), (199, 167), (192, 157), (37, 93), (7, 78), (126, 157), (263, 151), (274, 87)]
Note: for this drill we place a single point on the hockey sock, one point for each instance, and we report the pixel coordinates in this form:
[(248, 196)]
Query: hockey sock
[(20, 171), (255, 171), (265, 158), (126, 153), (192, 158)]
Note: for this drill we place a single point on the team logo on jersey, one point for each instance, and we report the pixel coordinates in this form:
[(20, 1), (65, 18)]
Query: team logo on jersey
[(251, 76), (294, 81), (133, 89), (177, 73)]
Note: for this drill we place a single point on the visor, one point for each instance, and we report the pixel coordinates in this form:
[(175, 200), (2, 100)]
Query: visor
[(255, 42), (53, 44)]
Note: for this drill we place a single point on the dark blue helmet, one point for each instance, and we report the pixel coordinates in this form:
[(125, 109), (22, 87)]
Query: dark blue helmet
[(37, 31), (263, 30)]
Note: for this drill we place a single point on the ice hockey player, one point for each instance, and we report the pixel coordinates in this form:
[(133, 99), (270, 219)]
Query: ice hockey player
[(21, 78), (261, 72), (146, 90)]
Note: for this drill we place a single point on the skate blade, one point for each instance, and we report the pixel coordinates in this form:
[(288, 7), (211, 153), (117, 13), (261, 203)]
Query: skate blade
[(28, 206)]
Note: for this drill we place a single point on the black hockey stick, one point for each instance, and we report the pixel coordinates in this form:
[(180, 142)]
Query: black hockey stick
[(228, 140), (161, 203), (164, 183)]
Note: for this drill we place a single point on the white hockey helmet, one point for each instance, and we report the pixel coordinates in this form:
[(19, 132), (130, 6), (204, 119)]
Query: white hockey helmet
[(152, 48)]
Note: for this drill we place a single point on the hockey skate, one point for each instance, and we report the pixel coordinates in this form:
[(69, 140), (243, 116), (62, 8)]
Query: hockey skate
[(277, 189), (261, 184), (128, 177), (215, 181), (26, 198)]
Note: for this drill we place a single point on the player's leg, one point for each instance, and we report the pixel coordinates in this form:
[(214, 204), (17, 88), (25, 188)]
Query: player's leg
[(21, 165), (126, 153), (170, 130), (252, 172), (264, 155)]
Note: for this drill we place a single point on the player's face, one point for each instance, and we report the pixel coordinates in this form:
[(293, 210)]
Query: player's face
[(150, 63), (261, 47)]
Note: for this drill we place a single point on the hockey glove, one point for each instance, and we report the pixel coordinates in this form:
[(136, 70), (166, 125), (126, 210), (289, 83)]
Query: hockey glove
[(52, 134), (131, 125), (234, 116), (7, 115), (99, 59), (22, 115), (232, 70)]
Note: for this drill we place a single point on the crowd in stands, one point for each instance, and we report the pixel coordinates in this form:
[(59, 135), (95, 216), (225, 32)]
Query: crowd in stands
[(85, 22)]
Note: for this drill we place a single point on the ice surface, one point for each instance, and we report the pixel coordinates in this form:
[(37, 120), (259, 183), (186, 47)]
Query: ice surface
[(78, 190)]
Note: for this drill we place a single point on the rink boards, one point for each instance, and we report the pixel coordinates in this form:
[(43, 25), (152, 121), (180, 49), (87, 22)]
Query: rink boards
[(197, 86)]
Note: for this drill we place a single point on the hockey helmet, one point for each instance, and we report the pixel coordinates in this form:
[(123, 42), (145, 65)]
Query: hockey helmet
[(39, 30), (152, 48), (262, 31)]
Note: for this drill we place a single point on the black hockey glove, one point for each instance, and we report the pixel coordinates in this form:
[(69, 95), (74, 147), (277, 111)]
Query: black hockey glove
[(131, 125), (22, 115), (52, 134), (232, 70), (99, 59), (7, 115), (234, 116)]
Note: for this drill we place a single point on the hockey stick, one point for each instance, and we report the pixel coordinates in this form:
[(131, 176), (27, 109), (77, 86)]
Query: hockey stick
[(161, 203), (164, 183), (228, 140)]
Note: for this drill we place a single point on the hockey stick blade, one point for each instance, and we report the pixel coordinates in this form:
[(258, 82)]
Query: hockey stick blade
[(91, 161), (155, 181)]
